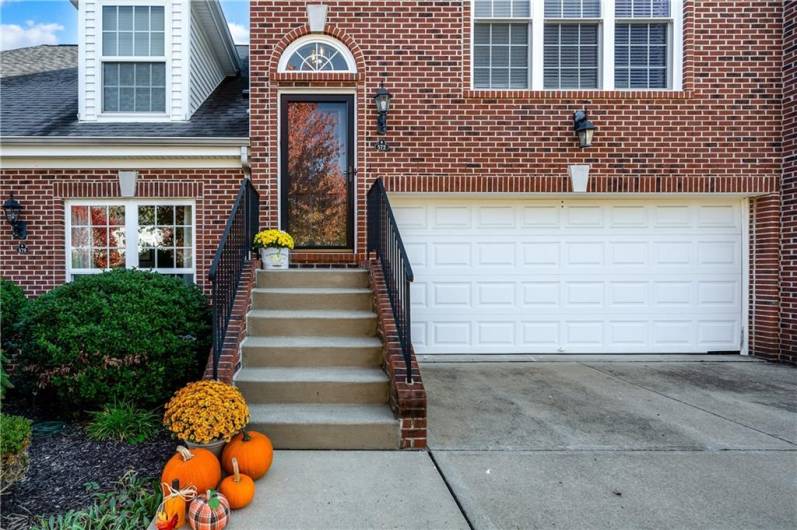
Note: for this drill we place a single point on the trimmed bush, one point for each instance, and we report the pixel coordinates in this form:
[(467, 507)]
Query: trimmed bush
[(12, 304), (14, 442), (121, 336)]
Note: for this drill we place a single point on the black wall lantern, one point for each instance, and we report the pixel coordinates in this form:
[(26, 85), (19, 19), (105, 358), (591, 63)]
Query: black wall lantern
[(583, 127), (12, 210), (382, 101)]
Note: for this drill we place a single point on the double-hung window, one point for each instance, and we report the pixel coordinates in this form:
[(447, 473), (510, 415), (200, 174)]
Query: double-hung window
[(642, 44), (572, 34), (133, 59), (577, 44), (151, 234), (501, 44)]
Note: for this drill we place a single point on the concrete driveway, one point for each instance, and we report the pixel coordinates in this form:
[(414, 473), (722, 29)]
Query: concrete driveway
[(617, 444)]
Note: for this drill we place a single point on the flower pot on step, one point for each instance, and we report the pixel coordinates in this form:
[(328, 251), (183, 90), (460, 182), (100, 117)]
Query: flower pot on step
[(275, 257)]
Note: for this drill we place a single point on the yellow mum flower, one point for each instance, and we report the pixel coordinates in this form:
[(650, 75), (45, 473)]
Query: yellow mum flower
[(273, 238)]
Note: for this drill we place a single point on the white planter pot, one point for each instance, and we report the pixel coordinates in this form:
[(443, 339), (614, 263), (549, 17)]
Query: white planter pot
[(275, 258)]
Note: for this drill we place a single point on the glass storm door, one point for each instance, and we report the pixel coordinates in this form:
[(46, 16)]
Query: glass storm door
[(317, 166)]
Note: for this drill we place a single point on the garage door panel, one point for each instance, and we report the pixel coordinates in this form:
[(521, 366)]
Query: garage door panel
[(521, 276)]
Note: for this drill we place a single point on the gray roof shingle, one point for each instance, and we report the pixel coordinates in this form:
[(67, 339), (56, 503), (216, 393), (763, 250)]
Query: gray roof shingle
[(45, 103)]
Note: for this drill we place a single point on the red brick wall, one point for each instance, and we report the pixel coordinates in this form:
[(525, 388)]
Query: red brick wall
[(788, 251), (42, 193), (722, 133)]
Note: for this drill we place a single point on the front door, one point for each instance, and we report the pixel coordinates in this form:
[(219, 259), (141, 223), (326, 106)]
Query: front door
[(317, 166)]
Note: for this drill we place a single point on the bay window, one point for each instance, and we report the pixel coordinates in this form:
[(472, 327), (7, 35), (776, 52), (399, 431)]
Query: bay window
[(577, 44), (133, 59), (150, 234)]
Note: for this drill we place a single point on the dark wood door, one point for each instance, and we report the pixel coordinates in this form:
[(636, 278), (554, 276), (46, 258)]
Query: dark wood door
[(317, 170)]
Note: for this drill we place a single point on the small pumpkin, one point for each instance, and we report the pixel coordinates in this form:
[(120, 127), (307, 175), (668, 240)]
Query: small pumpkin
[(174, 502), (210, 511), (239, 489), (198, 467), (253, 451)]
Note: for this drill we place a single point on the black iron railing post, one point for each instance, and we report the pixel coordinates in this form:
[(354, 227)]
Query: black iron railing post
[(385, 239), (229, 261)]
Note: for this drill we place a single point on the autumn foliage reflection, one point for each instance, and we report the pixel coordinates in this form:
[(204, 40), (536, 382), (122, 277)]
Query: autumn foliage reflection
[(317, 205)]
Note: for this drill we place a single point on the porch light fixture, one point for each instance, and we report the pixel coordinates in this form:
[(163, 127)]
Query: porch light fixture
[(12, 209), (583, 127), (382, 101)]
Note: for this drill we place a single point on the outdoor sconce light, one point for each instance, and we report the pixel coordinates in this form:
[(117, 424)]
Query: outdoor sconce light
[(12, 209), (583, 127), (382, 101)]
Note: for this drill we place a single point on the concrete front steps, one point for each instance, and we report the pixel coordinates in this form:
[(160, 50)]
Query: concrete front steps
[(312, 362)]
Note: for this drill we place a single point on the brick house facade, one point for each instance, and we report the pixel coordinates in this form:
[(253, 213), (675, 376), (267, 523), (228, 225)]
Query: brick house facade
[(42, 267), (788, 256), (720, 134), (728, 132)]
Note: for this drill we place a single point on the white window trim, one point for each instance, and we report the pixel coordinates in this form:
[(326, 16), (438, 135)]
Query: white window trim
[(131, 232), (606, 25), (342, 49), (104, 116)]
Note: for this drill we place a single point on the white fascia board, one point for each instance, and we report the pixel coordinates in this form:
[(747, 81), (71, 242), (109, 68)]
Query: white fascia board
[(225, 46), (68, 153)]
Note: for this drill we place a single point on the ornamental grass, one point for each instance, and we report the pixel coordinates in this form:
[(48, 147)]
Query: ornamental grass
[(206, 411)]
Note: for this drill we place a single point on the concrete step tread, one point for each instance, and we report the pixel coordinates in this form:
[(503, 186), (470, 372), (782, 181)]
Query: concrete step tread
[(302, 414), (310, 313), (312, 290), (311, 342), (299, 270), (311, 375)]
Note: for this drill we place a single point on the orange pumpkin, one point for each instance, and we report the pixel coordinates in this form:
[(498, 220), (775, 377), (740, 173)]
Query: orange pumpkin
[(198, 467), (239, 489), (253, 451)]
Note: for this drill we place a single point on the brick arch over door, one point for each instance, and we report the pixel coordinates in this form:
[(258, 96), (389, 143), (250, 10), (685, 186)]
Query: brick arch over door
[(330, 30)]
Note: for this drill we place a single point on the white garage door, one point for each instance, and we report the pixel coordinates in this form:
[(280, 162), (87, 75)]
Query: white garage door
[(574, 276)]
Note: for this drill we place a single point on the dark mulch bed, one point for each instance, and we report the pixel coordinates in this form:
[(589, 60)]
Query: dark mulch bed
[(62, 463)]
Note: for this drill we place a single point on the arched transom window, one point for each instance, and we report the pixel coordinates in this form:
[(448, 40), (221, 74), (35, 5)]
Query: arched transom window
[(317, 54)]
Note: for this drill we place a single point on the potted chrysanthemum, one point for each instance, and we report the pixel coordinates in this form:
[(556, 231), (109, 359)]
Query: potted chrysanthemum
[(274, 247), (206, 414)]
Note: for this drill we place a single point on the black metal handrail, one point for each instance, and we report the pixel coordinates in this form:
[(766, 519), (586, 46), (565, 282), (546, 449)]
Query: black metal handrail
[(229, 262), (385, 239)]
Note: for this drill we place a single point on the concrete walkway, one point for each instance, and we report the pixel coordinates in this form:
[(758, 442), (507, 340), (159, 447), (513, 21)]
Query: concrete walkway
[(701, 442), (350, 489)]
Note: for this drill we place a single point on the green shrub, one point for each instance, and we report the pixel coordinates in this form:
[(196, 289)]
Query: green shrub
[(14, 442), (123, 422), (12, 303), (5, 382), (130, 506), (121, 336)]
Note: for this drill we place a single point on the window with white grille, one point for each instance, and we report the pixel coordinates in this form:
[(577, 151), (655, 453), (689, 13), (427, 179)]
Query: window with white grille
[(577, 44), (133, 59), (501, 44), (642, 49)]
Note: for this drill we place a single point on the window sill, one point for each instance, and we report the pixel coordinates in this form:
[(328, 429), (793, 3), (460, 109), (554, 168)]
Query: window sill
[(577, 94), (130, 117)]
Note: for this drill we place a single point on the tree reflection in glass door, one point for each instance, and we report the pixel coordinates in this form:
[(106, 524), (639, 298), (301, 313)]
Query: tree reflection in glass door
[(315, 176)]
